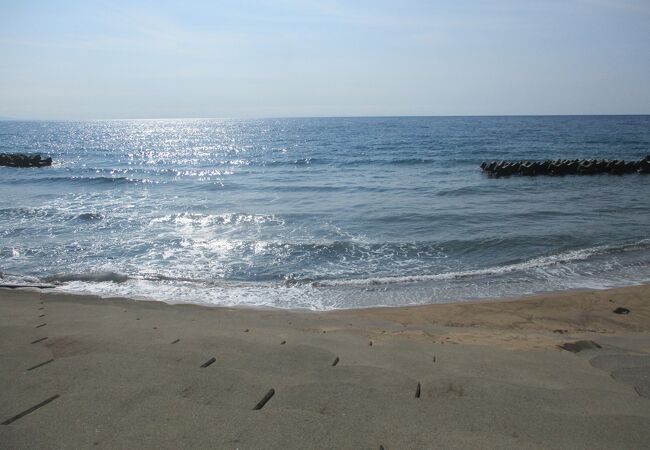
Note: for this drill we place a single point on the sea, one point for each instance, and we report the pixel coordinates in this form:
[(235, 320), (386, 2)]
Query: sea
[(322, 213)]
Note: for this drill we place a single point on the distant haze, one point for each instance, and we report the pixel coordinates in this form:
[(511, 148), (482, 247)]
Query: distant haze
[(83, 60)]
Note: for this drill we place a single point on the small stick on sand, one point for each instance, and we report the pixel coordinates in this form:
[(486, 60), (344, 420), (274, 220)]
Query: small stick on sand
[(30, 410), (264, 400), (208, 362), (41, 364)]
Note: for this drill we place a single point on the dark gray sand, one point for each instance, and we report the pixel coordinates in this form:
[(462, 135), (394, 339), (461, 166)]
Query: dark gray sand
[(117, 373)]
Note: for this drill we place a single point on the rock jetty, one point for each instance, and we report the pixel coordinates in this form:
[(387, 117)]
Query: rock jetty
[(22, 160), (559, 167)]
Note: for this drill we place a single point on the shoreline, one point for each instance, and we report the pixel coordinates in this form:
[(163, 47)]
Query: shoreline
[(547, 371), (51, 290), (48, 288)]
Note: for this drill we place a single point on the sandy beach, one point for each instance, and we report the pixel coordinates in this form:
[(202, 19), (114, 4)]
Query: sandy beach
[(316, 224), (87, 372)]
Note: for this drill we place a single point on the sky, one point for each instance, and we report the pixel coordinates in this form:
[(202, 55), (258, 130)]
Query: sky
[(295, 58)]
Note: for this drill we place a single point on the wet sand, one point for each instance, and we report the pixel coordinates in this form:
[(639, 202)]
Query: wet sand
[(87, 372)]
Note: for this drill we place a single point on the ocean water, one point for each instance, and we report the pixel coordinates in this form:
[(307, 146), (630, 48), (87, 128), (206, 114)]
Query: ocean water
[(322, 213)]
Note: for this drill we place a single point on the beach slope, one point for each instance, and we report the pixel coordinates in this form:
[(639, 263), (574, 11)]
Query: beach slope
[(553, 371)]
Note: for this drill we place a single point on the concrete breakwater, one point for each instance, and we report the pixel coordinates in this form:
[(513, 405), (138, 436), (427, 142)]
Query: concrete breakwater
[(22, 160), (559, 167)]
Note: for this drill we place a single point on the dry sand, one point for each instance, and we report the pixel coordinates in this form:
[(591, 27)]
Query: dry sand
[(117, 373)]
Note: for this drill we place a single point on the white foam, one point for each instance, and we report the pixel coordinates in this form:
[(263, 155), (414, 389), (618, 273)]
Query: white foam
[(91, 277), (534, 263)]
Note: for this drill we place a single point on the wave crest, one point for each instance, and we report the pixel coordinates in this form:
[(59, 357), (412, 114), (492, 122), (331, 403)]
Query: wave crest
[(531, 264), (91, 277)]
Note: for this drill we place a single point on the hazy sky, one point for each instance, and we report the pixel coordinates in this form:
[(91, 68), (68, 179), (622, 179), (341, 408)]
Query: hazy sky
[(86, 59)]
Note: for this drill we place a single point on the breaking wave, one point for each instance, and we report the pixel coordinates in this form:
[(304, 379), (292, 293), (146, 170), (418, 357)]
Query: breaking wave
[(91, 277), (531, 264)]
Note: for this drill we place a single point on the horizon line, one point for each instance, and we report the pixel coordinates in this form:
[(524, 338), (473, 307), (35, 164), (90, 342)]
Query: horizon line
[(378, 116)]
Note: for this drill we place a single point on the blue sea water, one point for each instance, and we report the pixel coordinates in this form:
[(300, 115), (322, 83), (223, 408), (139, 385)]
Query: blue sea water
[(322, 213)]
